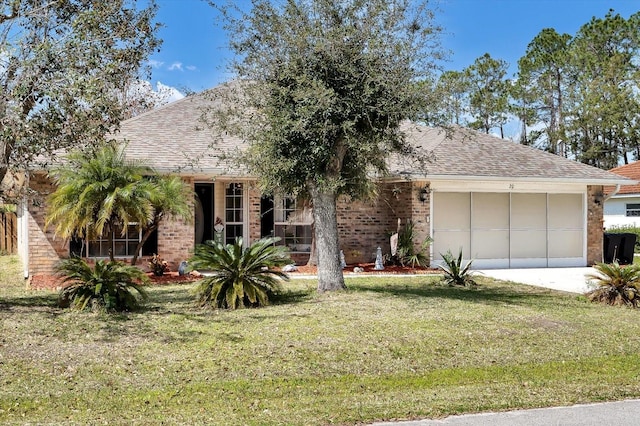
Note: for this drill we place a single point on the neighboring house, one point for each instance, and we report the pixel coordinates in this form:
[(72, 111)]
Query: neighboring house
[(505, 205), (622, 204)]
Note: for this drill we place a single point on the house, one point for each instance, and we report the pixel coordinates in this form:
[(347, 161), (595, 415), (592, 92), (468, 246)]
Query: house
[(622, 204), (505, 205)]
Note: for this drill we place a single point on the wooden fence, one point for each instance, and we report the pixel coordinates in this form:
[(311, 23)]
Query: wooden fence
[(8, 233)]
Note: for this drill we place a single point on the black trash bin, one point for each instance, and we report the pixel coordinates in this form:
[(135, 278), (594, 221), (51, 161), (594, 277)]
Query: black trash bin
[(628, 248), (619, 248)]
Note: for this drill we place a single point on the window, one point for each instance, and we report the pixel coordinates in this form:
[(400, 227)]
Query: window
[(123, 245), (234, 212), (633, 209), (292, 223)]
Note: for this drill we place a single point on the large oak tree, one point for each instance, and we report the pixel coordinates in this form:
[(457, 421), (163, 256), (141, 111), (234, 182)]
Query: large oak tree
[(64, 65), (328, 84)]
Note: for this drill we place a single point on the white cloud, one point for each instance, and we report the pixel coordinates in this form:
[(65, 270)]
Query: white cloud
[(155, 64), (191, 67), (168, 93), (175, 66)]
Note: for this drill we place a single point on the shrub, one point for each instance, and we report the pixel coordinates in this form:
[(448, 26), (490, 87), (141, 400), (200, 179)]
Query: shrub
[(239, 276), (406, 253), (616, 285), (455, 273), (157, 265), (108, 285)]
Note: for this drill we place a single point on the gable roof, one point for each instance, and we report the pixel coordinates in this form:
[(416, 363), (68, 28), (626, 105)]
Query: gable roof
[(631, 171), (462, 153), (174, 138)]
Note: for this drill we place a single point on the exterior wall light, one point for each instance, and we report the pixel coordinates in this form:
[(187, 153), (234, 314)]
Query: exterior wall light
[(423, 195)]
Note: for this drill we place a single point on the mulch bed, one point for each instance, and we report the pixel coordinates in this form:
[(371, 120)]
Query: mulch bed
[(369, 269), (51, 282)]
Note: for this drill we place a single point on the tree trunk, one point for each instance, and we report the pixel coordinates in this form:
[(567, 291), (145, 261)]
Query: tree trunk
[(112, 257), (145, 236), (330, 277)]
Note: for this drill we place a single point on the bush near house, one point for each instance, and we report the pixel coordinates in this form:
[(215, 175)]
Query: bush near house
[(239, 276), (110, 286), (616, 285)]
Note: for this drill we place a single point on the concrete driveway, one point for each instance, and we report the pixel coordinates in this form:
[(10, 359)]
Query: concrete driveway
[(566, 279), (622, 413)]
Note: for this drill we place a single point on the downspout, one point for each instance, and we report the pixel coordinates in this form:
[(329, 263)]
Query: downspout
[(613, 194)]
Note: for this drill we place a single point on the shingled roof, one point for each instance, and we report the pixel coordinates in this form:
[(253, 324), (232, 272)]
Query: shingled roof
[(463, 153), (175, 138)]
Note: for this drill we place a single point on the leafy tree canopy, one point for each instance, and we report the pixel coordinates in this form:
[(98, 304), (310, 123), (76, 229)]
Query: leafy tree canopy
[(63, 68), (331, 81)]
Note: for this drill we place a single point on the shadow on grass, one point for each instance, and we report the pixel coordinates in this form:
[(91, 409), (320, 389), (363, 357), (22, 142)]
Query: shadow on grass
[(486, 293), (47, 300)]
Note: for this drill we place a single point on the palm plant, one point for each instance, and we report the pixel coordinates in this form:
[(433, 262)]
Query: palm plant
[(170, 197), (99, 191), (455, 273), (239, 276), (616, 285), (108, 285), (406, 252)]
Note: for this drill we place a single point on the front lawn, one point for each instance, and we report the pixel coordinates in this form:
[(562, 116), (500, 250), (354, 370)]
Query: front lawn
[(388, 348)]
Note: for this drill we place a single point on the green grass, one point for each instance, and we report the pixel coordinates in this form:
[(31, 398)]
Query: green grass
[(388, 348)]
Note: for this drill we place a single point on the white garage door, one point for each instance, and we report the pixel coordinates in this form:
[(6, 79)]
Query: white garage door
[(510, 230)]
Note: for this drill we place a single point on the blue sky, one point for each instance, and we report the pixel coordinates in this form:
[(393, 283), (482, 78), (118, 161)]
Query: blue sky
[(193, 53)]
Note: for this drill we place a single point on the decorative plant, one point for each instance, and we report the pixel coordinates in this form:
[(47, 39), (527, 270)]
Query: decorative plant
[(239, 276), (108, 285), (455, 273), (616, 285), (406, 253), (158, 266)]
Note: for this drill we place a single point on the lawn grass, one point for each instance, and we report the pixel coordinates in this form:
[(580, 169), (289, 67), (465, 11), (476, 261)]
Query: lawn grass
[(387, 348)]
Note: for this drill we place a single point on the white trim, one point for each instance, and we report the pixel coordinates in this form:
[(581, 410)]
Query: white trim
[(22, 213), (618, 196), (550, 180), (506, 186)]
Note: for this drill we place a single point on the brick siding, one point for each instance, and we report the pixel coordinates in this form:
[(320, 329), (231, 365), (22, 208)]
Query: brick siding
[(365, 226), (595, 224)]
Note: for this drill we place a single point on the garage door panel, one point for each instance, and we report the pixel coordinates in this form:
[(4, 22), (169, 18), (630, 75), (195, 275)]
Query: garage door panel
[(529, 211), (490, 244), (452, 210), (490, 211), (529, 244), (565, 243), (565, 211), (510, 229), (453, 241)]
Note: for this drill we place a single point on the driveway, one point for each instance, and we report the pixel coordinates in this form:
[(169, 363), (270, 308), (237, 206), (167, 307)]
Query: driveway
[(566, 279), (622, 413)]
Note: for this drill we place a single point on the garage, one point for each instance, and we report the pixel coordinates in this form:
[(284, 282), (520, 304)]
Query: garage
[(510, 229)]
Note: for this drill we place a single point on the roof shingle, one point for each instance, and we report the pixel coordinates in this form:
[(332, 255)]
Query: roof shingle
[(174, 137)]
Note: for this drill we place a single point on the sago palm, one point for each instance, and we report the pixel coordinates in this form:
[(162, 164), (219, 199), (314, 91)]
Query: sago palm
[(108, 285), (237, 276), (616, 285)]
